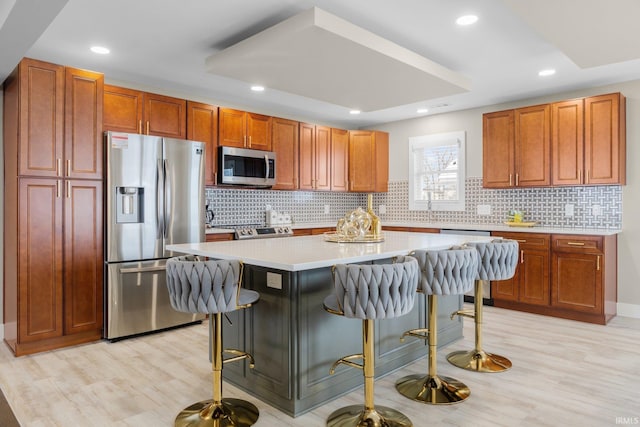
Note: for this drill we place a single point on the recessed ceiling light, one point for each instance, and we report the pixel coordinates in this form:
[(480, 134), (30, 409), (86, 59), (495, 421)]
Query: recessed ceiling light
[(547, 72), (467, 20), (257, 88), (422, 110), (354, 112), (100, 50)]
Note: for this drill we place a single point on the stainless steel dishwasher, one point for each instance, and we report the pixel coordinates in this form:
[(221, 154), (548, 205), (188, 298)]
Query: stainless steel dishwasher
[(486, 290)]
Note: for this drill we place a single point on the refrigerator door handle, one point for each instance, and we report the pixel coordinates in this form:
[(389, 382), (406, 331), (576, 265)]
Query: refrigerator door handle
[(142, 269), (167, 196), (160, 199)]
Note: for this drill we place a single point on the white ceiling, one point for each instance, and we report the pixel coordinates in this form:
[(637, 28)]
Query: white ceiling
[(165, 44)]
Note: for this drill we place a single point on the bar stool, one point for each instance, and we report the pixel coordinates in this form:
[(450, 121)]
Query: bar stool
[(498, 260), (370, 292), (445, 272), (212, 287)]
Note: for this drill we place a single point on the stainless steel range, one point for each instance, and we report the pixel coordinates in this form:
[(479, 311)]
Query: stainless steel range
[(253, 232)]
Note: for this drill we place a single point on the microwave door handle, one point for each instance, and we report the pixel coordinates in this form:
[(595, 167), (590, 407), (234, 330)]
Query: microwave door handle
[(266, 163)]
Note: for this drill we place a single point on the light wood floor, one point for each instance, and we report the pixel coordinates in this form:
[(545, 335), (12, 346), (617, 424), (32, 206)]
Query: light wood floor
[(565, 373)]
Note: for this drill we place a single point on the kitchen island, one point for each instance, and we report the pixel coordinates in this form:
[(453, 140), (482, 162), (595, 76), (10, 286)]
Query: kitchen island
[(293, 340)]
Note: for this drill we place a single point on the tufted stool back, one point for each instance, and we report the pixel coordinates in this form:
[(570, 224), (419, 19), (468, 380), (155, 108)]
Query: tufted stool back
[(378, 291), (211, 286), (498, 259), (447, 272)]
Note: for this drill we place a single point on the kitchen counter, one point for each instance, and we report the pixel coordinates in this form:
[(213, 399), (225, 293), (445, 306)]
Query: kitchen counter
[(293, 339), (310, 252)]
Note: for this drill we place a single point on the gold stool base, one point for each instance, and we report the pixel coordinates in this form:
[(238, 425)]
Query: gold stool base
[(230, 412), (357, 416), (432, 389), (479, 361)]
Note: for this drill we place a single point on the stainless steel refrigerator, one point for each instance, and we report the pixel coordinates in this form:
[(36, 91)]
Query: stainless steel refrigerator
[(154, 197)]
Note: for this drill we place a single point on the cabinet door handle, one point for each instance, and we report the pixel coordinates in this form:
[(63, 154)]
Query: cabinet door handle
[(575, 243), (244, 140), (58, 166), (58, 189), (68, 167), (147, 127), (510, 180), (249, 141), (517, 180), (140, 126), (521, 240), (521, 257), (598, 263), (68, 189)]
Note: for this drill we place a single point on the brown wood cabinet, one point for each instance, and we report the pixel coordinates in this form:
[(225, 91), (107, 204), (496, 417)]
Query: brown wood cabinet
[(285, 143), (202, 125), (315, 157), (573, 142), (530, 284), (516, 148), (605, 139), (244, 130), (339, 160), (53, 207), (589, 141), (218, 237), (368, 161), (568, 276), (133, 111), (584, 277)]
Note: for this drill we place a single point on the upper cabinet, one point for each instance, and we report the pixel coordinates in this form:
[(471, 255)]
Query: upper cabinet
[(132, 111), (575, 142), (244, 130), (368, 161), (202, 125), (59, 121), (605, 139), (516, 145), (285, 143), (339, 160), (315, 157)]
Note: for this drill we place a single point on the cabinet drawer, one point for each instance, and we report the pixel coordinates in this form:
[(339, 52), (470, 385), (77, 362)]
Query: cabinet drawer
[(583, 244), (527, 240)]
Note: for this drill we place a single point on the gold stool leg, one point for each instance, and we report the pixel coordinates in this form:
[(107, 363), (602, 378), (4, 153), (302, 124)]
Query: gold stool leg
[(477, 359), (432, 388), (218, 412), (369, 415)]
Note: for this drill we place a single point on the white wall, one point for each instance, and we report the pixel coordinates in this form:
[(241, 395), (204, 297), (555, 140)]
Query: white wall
[(471, 122)]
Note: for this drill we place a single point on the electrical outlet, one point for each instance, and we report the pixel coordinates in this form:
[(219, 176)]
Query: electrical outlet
[(568, 209), (326, 209), (274, 280), (596, 210), (382, 209), (484, 209)]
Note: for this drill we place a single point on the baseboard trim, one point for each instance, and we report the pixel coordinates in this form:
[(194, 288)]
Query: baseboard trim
[(629, 310)]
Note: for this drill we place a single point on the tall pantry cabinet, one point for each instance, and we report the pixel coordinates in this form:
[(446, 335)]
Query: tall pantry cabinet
[(53, 272)]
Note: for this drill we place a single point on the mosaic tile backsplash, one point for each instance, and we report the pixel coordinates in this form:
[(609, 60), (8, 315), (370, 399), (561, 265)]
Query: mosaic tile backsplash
[(545, 205)]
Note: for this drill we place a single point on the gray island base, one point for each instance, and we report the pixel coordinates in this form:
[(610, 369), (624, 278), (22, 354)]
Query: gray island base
[(293, 340)]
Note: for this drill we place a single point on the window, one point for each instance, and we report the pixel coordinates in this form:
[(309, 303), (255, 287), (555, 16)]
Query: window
[(437, 172)]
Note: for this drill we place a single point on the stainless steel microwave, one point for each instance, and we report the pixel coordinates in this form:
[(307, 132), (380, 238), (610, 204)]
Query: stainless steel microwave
[(246, 167)]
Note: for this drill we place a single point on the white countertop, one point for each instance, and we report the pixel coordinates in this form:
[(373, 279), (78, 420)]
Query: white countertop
[(309, 252), (458, 226)]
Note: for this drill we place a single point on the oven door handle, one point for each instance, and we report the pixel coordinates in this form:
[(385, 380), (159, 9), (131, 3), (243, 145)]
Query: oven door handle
[(142, 269)]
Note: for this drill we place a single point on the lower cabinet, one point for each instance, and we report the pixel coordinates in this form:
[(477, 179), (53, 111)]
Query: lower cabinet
[(295, 341), (584, 276), (568, 276), (53, 295), (530, 284)]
